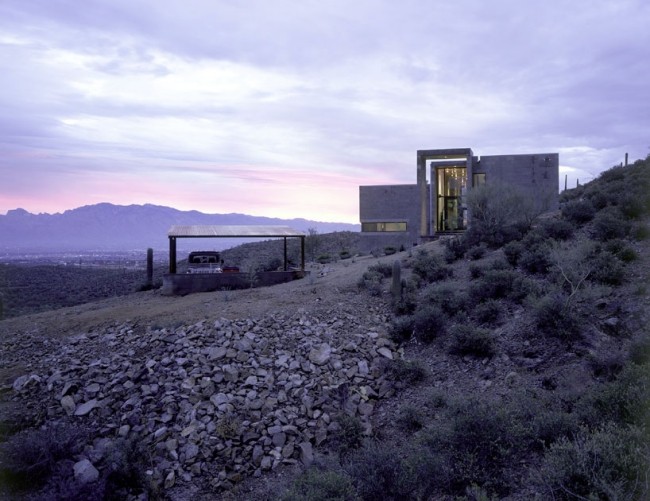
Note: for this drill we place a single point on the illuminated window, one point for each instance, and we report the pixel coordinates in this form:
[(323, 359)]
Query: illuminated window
[(369, 227)]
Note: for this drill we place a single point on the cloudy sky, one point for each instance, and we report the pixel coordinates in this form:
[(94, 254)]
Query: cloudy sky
[(283, 108)]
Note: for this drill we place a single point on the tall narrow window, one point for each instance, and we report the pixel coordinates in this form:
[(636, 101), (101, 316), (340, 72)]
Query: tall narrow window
[(478, 179)]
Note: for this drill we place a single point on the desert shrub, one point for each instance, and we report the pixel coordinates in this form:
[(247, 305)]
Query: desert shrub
[(407, 301), (477, 252), (476, 271), (470, 340), (384, 269), (371, 281), (429, 322), (550, 425), (609, 223), (512, 251), (455, 249), (578, 211), (489, 312), (479, 441), (500, 214), (446, 296), (640, 232), (615, 245), (535, 259), (606, 269), (401, 328), (607, 364), (554, 318), (321, 485), (389, 250), (379, 472), (610, 462), (639, 351), (405, 371), (324, 259), (31, 456), (428, 267), (500, 284), (558, 229), (410, 418), (349, 435), (436, 399), (622, 401), (632, 207), (345, 254)]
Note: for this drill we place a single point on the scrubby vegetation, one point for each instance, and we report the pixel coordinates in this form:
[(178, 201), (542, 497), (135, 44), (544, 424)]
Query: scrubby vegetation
[(516, 285), (559, 301)]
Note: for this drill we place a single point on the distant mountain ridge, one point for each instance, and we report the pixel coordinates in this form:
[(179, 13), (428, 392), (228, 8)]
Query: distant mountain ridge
[(106, 226)]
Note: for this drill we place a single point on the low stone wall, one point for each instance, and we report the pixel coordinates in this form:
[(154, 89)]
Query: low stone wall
[(180, 284)]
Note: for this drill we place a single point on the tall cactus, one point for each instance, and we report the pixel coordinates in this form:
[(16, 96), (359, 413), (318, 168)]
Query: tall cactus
[(150, 267), (396, 285)]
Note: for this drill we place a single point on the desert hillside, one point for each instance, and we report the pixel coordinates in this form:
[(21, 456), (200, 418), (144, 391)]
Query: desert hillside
[(508, 363)]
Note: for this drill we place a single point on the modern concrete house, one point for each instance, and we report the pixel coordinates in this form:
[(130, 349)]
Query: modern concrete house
[(407, 214)]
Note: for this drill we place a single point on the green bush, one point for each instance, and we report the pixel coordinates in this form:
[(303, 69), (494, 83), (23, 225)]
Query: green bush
[(379, 472), (384, 269), (476, 271), (610, 462), (389, 250), (558, 229), (345, 254), (428, 267), (470, 340), (405, 371), (609, 223), (429, 322), (500, 284), (321, 485), (478, 442), (371, 281), (476, 252), (535, 259), (446, 296), (31, 456), (606, 269), (512, 251), (554, 318), (578, 211), (324, 259), (488, 312), (349, 435), (455, 249), (410, 418), (401, 328)]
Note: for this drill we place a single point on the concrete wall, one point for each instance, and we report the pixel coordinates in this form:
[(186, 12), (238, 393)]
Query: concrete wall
[(536, 175), (180, 284), (390, 203)]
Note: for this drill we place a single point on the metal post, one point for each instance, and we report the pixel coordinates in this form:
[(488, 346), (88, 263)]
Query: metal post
[(172, 255), (285, 253)]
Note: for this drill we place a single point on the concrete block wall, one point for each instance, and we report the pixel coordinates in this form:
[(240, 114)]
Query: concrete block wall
[(537, 175), (391, 203)]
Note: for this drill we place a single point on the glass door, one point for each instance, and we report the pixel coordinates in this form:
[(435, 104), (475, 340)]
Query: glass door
[(450, 210)]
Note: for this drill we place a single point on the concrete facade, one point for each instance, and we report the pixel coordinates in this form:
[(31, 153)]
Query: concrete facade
[(406, 214)]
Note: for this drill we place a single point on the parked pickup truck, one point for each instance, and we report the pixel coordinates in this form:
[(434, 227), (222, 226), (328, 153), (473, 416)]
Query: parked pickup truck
[(204, 262)]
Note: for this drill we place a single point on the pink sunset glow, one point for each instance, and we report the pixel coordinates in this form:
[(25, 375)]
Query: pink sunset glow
[(283, 110)]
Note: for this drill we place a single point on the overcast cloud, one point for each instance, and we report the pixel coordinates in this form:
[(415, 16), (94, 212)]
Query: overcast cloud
[(284, 108)]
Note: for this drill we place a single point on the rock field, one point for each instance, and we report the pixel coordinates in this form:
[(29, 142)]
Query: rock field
[(216, 401)]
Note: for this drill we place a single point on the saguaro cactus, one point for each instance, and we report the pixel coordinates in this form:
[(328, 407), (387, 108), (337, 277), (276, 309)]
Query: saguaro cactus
[(150, 267), (396, 285)]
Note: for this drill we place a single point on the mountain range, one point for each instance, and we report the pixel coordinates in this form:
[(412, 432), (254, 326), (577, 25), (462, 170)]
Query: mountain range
[(112, 227)]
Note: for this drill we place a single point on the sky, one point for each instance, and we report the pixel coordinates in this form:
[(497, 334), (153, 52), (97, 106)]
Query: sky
[(283, 108)]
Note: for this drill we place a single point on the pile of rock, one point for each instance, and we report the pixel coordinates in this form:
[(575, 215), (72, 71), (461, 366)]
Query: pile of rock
[(220, 400)]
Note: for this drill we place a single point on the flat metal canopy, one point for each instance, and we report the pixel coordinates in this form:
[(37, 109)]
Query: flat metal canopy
[(253, 231)]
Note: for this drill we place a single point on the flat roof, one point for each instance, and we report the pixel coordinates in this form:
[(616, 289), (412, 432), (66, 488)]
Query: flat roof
[(253, 231)]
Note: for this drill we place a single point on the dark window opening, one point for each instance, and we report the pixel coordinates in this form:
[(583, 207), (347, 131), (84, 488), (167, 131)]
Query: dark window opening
[(386, 226)]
